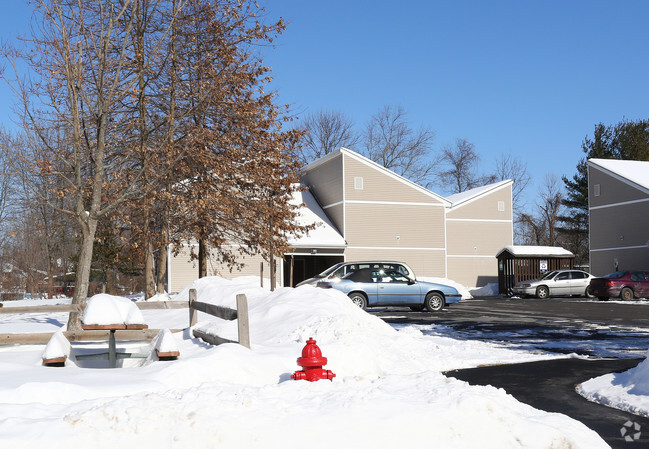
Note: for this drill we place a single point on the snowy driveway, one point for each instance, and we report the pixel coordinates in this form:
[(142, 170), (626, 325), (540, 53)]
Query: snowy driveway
[(567, 325)]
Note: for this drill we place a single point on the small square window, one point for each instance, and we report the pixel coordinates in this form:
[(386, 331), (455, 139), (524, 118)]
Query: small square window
[(501, 206), (596, 189), (358, 183)]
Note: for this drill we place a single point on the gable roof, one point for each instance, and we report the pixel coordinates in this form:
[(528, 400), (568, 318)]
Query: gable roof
[(325, 234), (536, 251), (633, 173), (370, 163), (459, 199)]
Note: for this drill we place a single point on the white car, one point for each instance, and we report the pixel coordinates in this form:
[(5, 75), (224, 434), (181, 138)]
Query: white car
[(556, 283)]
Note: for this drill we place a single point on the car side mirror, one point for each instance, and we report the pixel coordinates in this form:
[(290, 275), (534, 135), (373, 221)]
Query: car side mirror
[(411, 282)]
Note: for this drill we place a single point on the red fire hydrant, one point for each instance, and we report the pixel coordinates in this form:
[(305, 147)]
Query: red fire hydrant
[(312, 362)]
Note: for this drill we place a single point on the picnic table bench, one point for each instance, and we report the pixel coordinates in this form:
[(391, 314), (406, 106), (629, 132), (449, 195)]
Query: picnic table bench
[(112, 355)]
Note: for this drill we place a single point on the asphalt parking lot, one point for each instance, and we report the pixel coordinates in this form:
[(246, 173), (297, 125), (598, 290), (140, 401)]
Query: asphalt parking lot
[(612, 336)]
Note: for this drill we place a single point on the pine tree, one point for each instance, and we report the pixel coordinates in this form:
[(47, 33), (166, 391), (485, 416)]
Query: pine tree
[(626, 140)]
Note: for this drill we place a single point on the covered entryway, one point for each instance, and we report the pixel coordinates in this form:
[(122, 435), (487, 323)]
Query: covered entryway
[(305, 266), (315, 251)]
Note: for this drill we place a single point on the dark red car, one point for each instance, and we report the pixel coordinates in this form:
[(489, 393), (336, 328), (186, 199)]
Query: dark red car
[(625, 285)]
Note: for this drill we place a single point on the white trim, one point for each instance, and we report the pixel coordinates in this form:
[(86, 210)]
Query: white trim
[(623, 203), (446, 211), (296, 253), (485, 220), (338, 203), (370, 163), (343, 174), (169, 254), (619, 177), (471, 256), (620, 248), (396, 247), (495, 187), (394, 203)]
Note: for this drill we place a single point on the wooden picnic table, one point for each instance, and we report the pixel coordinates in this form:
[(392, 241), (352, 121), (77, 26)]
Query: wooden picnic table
[(112, 355)]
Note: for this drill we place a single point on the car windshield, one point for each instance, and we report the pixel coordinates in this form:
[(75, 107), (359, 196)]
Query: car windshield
[(616, 275), (328, 271), (548, 275)]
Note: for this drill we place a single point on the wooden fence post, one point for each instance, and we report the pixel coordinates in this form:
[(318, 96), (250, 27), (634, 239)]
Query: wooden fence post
[(242, 318), (193, 313)]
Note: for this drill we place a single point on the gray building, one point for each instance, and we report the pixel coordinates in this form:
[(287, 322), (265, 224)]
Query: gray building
[(618, 196)]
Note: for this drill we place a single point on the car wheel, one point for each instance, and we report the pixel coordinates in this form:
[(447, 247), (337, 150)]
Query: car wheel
[(588, 294), (434, 302), (416, 308), (358, 299), (542, 292), (603, 298), (626, 294)]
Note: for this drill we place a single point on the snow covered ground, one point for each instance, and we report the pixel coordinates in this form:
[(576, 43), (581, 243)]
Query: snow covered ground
[(388, 391), (627, 391)]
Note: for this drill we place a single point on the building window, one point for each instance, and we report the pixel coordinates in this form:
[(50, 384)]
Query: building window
[(596, 190), (358, 183), (501, 206)]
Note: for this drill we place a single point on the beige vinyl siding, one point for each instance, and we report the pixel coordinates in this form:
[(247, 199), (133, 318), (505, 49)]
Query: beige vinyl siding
[(423, 262), (182, 270), (612, 190), (486, 207), (337, 215), (378, 185), (479, 238), (379, 225), (473, 271), (327, 181)]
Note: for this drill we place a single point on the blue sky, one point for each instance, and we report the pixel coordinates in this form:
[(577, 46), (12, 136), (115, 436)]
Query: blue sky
[(521, 77), (530, 78)]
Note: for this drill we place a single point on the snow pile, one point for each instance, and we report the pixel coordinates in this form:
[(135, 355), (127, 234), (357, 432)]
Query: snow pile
[(159, 297), (57, 347), (105, 309), (627, 391), (459, 287), (388, 387), (165, 342), (487, 290)]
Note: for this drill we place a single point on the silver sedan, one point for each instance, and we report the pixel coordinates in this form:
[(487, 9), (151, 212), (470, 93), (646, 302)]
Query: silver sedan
[(556, 283)]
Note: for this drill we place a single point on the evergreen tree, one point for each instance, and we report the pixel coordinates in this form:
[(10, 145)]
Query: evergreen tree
[(626, 140)]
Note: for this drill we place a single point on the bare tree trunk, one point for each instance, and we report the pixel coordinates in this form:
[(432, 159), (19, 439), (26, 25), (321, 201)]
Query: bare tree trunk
[(202, 258), (149, 271), (162, 261), (82, 280)]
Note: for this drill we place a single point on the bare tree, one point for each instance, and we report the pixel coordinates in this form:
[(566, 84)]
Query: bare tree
[(510, 167), (82, 76), (460, 168), (326, 131), (389, 140), (541, 228)]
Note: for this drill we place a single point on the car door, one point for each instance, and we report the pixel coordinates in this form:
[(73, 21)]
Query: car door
[(560, 284), (396, 289), (641, 279), (366, 281), (578, 282)]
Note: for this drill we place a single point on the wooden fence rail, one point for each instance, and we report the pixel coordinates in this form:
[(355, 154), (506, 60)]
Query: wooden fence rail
[(241, 315), (44, 337), (194, 306)]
